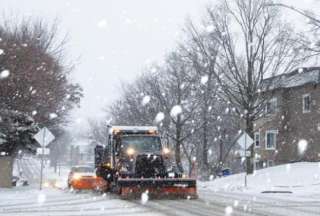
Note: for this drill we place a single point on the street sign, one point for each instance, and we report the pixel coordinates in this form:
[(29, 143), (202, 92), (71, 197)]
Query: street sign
[(46, 151), (44, 137), (245, 141)]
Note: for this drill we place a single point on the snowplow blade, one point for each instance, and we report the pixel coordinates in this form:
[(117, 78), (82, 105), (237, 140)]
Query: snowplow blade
[(158, 188)]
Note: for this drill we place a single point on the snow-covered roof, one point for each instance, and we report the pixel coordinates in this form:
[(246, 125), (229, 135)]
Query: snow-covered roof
[(134, 128), (298, 77)]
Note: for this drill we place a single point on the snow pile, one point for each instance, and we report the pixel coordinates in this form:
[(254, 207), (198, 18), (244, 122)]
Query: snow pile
[(301, 178)]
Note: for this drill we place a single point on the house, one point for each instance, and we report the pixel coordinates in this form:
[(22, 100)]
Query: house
[(289, 130)]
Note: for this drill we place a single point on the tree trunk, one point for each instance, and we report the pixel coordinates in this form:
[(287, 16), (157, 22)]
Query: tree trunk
[(204, 161), (178, 145), (250, 158)]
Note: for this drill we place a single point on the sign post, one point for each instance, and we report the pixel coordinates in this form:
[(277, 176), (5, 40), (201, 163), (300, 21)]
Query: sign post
[(43, 137), (245, 141)]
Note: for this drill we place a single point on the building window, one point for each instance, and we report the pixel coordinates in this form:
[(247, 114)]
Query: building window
[(257, 139), (271, 140), (306, 103), (271, 106)]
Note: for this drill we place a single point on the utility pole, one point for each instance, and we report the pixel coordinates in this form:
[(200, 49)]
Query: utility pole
[(42, 157), (246, 162)]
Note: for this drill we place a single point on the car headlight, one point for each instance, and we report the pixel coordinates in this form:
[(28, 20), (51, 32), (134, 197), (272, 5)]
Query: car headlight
[(76, 176), (130, 151)]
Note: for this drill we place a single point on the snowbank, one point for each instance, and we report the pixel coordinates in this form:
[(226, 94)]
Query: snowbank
[(300, 178)]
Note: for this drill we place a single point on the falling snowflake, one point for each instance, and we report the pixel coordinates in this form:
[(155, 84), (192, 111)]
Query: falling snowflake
[(175, 111), (34, 112), (227, 110), (236, 203), (146, 99), (300, 70), (101, 58), (182, 86), (102, 23), (159, 117), (210, 28), (302, 146), (211, 177), (53, 115), (153, 70), (4, 74), (1, 51), (204, 79), (144, 197), (228, 210)]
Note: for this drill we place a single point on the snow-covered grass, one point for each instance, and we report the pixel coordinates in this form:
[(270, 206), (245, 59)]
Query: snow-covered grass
[(301, 178)]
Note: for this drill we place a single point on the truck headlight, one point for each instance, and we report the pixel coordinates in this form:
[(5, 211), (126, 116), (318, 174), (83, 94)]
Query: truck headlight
[(171, 175), (166, 150), (130, 151)]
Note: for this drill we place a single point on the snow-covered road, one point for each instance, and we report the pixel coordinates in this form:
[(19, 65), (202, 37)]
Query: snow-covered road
[(56, 202), (214, 198), (31, 202)]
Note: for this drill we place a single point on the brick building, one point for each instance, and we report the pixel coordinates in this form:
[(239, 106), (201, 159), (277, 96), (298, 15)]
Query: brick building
[(289, 129)]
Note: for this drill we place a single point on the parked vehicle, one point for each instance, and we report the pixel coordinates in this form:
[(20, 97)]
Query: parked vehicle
[(19, 181)]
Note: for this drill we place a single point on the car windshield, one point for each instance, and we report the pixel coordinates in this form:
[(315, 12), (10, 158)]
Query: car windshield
[(141, 143), (83, 169)]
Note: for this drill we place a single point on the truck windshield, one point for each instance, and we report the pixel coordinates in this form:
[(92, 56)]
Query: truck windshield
[(141, 143)]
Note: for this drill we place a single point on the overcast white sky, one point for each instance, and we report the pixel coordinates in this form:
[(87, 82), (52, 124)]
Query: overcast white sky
[(116, 38)]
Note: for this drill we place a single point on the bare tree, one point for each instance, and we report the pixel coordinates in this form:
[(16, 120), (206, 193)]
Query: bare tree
[(309, 42), (251, 44), (37, 81)]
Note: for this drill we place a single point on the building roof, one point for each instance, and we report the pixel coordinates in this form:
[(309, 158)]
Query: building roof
[(298, 77)]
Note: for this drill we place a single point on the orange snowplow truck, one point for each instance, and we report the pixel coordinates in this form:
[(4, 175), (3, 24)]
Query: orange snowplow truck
[(134, 162)]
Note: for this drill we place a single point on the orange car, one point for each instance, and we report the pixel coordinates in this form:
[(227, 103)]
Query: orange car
[(84, 178)]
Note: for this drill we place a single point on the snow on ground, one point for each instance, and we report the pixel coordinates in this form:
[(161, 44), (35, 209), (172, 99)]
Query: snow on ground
[(30, 201), (301, 178), (57, 200), (221, 197)]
